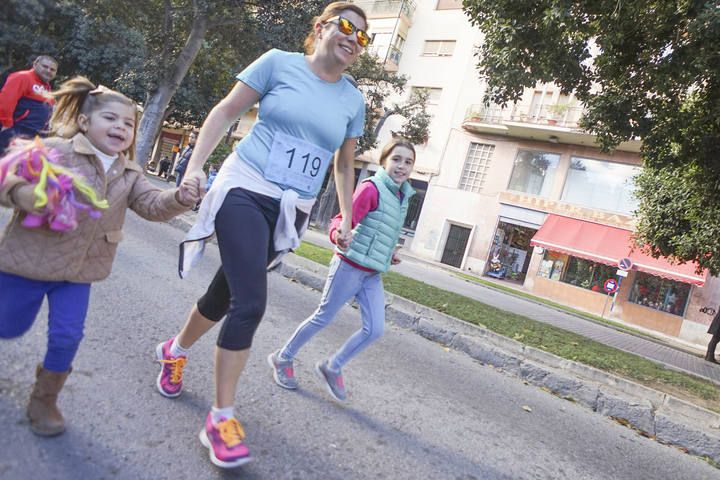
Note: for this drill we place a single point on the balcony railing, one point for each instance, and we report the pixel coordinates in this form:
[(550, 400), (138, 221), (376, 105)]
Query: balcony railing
[(560, 115), (388, 7)]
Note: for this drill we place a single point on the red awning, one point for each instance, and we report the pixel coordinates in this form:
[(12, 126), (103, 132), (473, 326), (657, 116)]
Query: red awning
[(607, 245)]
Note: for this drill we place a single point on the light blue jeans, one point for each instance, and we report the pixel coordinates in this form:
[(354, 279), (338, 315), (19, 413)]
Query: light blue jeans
[(343, 283)]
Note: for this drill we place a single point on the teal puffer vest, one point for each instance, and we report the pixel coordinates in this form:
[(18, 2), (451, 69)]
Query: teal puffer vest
[(376, 236)]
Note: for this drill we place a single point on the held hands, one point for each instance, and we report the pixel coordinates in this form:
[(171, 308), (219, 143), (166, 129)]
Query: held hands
[(189, 191), (201, 180), (395, 256), (343, 235)]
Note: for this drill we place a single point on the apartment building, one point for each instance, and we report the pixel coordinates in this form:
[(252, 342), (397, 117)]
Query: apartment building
[(521, 193)]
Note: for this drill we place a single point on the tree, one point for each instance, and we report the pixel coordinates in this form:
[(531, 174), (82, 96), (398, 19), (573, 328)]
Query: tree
[(644, 69), (213, 26), (83, 44), (23, 34), (176, 57), (377, 84)]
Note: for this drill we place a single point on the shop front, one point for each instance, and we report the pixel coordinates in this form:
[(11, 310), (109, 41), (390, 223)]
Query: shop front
[(576, 258), (510, 253)]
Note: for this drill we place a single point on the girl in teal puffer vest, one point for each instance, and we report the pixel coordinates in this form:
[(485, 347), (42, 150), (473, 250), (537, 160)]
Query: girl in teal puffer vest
[(379, 208)]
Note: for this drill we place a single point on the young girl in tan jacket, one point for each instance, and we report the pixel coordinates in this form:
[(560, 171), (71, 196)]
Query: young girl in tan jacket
[(94, 131)]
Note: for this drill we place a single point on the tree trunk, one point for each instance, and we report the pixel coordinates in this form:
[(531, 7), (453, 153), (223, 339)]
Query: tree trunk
[(155, 108)]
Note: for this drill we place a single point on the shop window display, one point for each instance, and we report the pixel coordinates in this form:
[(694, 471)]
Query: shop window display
[(586, 274), (509, 257), (552, 265), (659, 293), (575, 271)]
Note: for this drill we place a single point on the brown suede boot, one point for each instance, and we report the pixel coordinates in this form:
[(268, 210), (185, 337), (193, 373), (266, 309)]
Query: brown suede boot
[(45, 417)]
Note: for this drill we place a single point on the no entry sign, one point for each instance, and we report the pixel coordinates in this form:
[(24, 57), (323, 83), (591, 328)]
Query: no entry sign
[(611, 285)]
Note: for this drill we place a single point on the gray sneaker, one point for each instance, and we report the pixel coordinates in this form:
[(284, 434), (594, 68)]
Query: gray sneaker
[(333, 380), (283, 371)]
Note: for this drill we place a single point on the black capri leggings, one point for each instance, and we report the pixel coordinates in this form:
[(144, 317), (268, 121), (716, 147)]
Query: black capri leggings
[(244, 226)]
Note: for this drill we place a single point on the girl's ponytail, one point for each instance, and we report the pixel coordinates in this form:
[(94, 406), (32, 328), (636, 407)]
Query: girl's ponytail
[(70, 100), (80, 96)]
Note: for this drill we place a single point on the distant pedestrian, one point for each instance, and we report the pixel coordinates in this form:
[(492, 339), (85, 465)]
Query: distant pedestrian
[(184, 158), (25, 103), (164, 167), (212, 173), (378, 212), (95, 135), (715, 331)]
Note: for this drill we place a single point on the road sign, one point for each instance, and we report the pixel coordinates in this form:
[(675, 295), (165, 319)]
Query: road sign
[(621, 273), (611, 285), (625, 264)]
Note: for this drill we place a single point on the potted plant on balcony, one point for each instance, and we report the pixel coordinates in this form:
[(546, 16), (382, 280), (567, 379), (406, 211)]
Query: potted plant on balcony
[(557, 112), (474, 116)]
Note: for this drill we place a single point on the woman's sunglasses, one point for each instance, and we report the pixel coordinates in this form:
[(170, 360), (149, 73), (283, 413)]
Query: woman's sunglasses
[(347, 27)]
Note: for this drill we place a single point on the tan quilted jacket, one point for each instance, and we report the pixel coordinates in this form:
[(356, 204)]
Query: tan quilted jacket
[(85, 254)]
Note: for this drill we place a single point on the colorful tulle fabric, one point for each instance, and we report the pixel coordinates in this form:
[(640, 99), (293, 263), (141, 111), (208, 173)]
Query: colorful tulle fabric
[(57, 188)]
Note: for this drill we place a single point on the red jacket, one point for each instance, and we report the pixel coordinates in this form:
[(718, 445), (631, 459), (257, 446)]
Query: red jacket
[(24, 101)]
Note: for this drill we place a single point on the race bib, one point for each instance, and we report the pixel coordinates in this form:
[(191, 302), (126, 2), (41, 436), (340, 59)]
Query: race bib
[(296, 163)]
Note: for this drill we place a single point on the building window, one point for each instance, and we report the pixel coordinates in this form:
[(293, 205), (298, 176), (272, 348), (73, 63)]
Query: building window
[(539, 104), (576, 271), (433, 94), (449, 5), (659, 293), (587, 274), (415, 205), (380, 44), (438, 48), (601, 185), (552, 265), (476, 167), (534, 172)]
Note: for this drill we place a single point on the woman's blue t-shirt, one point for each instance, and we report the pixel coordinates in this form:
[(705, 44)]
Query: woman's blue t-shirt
[(296, 102)]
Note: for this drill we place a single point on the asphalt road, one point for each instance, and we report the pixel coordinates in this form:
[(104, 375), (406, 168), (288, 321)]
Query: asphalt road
[(414, 410)]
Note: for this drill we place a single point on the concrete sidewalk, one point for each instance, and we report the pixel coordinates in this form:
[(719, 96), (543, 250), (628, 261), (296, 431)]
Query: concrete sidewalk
[(678, 356)]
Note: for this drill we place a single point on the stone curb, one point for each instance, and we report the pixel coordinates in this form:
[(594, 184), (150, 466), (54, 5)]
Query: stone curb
[(658, 415), (653, 413)]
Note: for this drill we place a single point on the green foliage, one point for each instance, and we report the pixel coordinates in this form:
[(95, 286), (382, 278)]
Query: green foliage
[(218, 156), (417, 127), (27, 28), (133, 45), (377, 85), (644, 69)]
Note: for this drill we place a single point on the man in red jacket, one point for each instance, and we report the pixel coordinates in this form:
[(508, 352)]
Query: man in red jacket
[(25, 106)]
